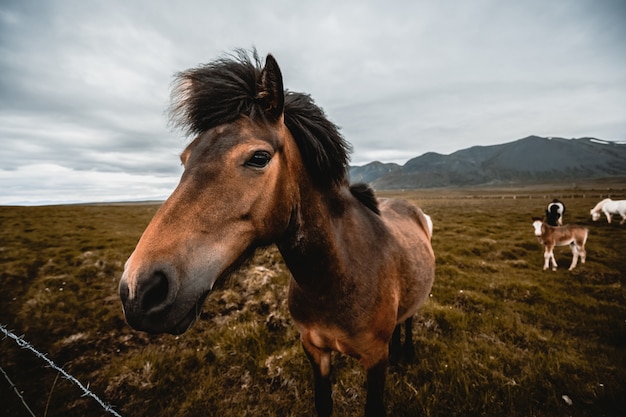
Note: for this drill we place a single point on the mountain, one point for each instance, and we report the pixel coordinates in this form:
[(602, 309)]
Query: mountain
[(372, 171), (532, 159)]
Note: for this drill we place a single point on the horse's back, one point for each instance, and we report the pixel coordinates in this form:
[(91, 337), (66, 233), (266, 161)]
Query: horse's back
[(397, 212), (572, 233), (615, 206)]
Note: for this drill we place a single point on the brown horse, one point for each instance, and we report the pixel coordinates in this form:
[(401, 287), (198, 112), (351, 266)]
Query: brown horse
[(266, 166), (550, 236)]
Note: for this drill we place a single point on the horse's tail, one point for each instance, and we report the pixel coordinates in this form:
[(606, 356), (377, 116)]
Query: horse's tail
[(429, 225)]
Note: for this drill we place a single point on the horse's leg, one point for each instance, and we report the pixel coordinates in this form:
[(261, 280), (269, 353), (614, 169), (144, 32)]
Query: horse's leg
[(583, 253), (546, 257), (608, 217), (409, 352), (397, 349), (574, 255), (374, 404), (320, 361), (375, 358), (395, 346), (581, 249), (549, 256), (623, 217)]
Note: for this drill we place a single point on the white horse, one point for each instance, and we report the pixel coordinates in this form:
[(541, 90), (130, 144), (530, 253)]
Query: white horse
[(550, 236), (609, 207)]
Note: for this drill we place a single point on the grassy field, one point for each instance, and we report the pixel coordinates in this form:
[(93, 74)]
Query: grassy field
[(498, 337)]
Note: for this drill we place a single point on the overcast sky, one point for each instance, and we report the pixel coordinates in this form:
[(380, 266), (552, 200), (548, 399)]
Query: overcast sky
[(84, 85)]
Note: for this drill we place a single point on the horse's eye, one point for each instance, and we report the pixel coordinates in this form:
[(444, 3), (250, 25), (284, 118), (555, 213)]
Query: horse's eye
[(260, 159)]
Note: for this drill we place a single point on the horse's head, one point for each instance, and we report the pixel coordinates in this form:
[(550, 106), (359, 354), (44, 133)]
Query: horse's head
[(537, 225), (596, 212), (595, 215), (235, 193)]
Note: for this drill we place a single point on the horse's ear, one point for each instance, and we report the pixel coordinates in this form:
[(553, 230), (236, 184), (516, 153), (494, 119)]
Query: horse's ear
[(270, 91)]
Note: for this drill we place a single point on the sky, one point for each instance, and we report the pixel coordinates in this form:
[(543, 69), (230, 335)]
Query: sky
[(85, 85)]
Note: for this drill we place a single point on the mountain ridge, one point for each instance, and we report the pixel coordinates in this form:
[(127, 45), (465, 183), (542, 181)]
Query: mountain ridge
[(522, 161)]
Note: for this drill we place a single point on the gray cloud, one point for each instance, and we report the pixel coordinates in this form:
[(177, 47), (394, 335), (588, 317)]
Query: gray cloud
[(85, 85)]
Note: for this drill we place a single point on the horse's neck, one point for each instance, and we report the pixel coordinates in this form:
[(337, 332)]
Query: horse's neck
[(314, 249)]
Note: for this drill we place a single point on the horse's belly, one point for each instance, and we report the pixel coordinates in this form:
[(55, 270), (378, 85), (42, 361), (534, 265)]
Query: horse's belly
[(363, 346)]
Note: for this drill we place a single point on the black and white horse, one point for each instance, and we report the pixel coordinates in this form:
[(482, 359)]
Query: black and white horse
[(555, 212)]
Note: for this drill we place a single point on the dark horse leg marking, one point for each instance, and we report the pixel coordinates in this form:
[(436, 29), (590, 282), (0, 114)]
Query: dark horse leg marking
[(398, 350), (395, 346), (320, 362), (375, 405), (409, 352)]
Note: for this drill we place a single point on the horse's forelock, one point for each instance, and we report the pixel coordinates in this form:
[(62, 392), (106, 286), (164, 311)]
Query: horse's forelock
[(222, 91), (216, 93)]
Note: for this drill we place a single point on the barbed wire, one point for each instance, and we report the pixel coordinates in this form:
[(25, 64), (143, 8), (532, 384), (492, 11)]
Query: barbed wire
[(86, 392), (17, 392)]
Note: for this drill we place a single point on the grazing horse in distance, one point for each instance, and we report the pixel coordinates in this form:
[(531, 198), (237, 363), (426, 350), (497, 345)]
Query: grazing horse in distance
[(550, 236), (609, 207), (267, 167), (555, 213)]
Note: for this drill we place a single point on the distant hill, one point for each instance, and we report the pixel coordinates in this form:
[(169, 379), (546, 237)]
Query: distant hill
[(529, 160)]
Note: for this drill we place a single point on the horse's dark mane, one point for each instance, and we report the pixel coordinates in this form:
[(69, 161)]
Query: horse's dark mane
[(365, 194), (323, 148), (223, 90)]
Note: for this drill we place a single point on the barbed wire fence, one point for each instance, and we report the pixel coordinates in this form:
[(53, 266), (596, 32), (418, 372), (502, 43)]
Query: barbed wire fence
[(17, 392), (25, 345)]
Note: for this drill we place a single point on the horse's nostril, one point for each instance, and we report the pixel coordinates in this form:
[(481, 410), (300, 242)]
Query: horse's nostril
[(157, 293), (123, 291)]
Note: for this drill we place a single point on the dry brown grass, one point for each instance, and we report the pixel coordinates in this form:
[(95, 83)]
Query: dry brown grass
[(498, 337)]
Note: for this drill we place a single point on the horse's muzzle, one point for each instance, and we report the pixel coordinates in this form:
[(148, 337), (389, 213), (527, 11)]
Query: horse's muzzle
[(150, 303)]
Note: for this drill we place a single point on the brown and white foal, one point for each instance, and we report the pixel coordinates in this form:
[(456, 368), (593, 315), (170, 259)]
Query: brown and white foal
[(550, 236)]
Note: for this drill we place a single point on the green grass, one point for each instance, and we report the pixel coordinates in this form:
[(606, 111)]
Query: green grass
[(499, 336)]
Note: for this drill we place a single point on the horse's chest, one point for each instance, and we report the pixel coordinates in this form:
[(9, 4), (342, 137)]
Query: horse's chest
[(325, 307)]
